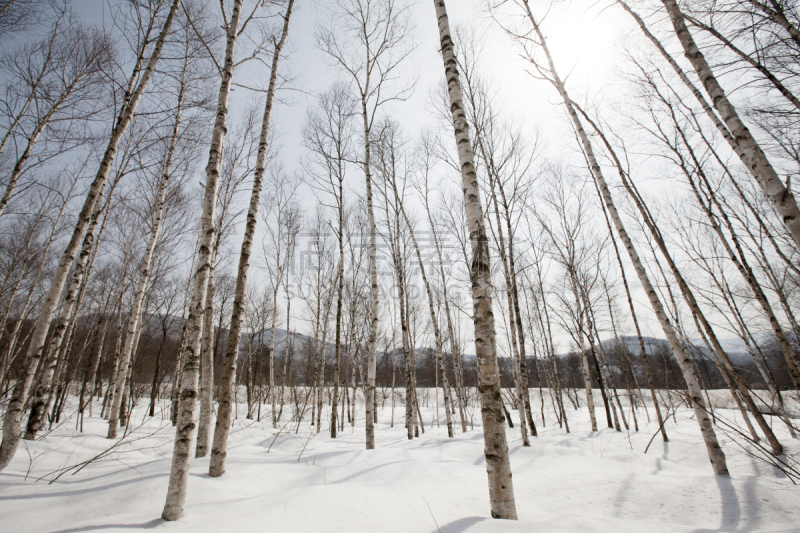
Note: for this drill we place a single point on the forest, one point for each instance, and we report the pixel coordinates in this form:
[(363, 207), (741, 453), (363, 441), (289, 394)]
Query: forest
[(357, 265)]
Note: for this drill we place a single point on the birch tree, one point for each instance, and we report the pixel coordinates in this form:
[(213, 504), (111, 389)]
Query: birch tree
[(634, 317), (565, 226), (397, 237), (727, 121), (327, 135), (43, 253), (186, 86), (424, 185), (71, 65), (54, 355), (498, 467), (280, 218), (506, 161), (228, 380), (738, 258), (187, 416), (389, 164)]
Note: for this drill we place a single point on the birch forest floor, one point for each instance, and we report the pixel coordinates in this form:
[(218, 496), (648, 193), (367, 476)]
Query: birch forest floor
[(282, 480)]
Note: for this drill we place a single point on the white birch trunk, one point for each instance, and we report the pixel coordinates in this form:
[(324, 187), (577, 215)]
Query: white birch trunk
[(407, 361), (523, 427), (436, 333), (272, 353), (112, 384), (642, 349), (450, 330), (207, 368), (374, 304), (587, 374), (498, 466), (517, 314), (144, 275), (228, 381), (54, 355), (321, 365), (187, 410), (339, 291)]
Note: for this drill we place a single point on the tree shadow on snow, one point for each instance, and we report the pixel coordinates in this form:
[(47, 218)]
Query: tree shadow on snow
[(100, 527), (78, 492), (731, 514), (460, 525)]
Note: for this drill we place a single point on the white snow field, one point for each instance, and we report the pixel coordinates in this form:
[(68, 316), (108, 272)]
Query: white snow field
[(287, 481)]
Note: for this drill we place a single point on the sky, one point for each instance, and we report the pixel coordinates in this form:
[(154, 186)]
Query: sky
[(583, 44)]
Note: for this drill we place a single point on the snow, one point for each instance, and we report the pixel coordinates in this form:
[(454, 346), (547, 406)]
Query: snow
[(282, 480)]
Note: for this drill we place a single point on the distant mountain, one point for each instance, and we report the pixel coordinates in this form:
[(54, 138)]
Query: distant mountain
[(734, 347), (297, 340)]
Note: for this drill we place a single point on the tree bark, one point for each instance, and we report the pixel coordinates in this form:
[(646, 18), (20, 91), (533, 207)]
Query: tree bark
[(187, 415), (228, 381), (339, 291), (207, 366), (498, 466), (374, 305)]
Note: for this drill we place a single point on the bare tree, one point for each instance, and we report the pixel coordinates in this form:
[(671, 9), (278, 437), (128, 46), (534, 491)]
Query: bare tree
[(327, 134), (565, 228), (498, 467), (281, 219), (389, 167), (368, 40), (185, 83), (422, 182), (731, 126), (187, 420), (228, 380), (19, 15), (69, 71)]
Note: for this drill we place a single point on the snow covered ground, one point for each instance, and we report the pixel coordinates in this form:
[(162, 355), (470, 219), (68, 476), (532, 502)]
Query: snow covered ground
[(282, 480)]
